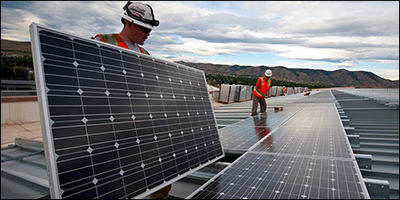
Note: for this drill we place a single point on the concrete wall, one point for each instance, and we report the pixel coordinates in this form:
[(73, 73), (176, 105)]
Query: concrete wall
[(19, 112)]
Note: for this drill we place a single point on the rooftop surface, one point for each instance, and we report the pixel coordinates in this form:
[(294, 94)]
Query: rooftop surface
[(376, 121)]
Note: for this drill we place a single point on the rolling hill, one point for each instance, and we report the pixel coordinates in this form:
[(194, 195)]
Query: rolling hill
[(337, 78), (15, 48)]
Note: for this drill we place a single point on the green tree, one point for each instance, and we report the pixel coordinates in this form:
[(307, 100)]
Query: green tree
[(16, 67), (21, 74), (7, 72)]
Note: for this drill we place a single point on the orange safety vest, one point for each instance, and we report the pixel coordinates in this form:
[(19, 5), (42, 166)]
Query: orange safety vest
[(117, 40), (262, 87)]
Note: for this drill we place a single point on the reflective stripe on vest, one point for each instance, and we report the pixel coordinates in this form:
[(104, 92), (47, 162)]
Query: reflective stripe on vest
[(256, 93), (142, 50), (113, 39), (117, 40)]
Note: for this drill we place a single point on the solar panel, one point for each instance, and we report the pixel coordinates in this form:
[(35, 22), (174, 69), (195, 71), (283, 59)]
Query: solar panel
[(271, 118), (116, 123), (263, 176), (305, 157), (314, 122), (240, 136), (317, 97), (318, 110), (311, 141)]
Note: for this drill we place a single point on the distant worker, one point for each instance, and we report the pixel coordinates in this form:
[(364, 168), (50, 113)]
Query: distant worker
[(283, 91), (260, 92), (139, 21)]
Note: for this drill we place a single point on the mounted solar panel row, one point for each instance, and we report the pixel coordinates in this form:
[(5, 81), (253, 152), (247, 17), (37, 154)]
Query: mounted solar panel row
[(321, 110), (321, 96), (116, 123), (263, 176), (239, 137), (305, 157), (310, 141), (316, 130)]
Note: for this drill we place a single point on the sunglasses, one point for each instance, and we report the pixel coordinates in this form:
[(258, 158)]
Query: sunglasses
[(144, 29)]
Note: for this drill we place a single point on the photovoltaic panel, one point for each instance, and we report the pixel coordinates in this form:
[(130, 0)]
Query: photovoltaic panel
[(311, 141), (305, 157), (319, 115), (317, 97), (116, 123), (270, 118), (326, 122), (263, 176), (318, 110), (240, 136)]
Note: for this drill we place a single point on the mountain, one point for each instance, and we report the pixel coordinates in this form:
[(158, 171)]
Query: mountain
[(337, 78), (15, 48)]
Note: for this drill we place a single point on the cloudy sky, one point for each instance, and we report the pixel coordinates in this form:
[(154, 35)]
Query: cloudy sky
[(356, 35)]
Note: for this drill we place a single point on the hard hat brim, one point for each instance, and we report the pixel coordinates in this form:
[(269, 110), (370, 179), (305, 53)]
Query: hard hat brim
[(135, 21)]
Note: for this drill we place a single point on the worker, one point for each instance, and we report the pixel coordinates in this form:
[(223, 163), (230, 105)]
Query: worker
[(283, 91), (139, 20), (260, 92)]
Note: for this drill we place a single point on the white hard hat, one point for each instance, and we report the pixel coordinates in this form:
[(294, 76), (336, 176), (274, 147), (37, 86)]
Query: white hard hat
[(140, 14), (268, 73)]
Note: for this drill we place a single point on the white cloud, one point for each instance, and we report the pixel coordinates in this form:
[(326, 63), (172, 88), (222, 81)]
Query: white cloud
[(182, 58), (316, 54), (15, 23), (346, 64), (391, 74)]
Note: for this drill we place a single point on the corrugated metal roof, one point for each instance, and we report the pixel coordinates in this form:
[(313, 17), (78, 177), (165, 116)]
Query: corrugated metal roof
[(377, 124), (23, 171)]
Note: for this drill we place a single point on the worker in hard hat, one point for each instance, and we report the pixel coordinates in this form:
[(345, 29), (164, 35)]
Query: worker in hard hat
[(260, 92), (283, 91), (139, 20)]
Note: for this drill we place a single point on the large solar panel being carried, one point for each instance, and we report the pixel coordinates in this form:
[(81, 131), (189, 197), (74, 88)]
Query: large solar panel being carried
[(116, 123)]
